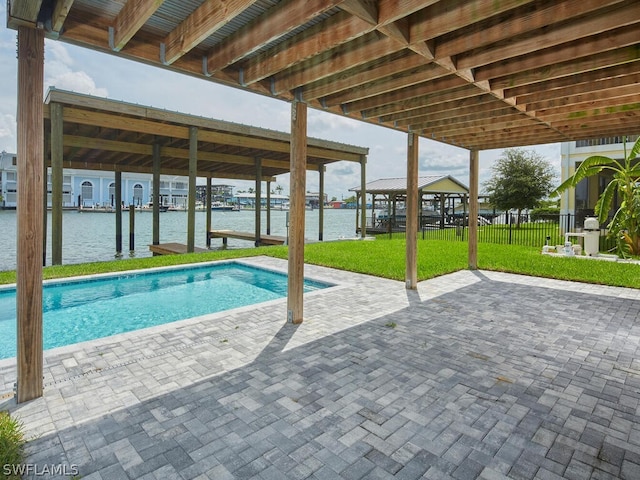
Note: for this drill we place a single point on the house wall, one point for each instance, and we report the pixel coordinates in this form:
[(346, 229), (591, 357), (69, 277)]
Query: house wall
[(571, 156), (173, 190)]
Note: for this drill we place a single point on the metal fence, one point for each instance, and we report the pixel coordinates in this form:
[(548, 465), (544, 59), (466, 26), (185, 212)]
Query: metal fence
[(528, 230)]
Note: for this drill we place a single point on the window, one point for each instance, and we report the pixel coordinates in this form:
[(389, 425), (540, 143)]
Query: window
[(137, 194), (87, 193)]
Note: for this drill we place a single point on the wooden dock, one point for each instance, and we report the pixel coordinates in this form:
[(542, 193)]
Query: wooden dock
[(173, 249), (251, 237)]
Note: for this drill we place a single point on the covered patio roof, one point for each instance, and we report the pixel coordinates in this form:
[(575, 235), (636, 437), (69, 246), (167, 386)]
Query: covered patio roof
[(426, 184), (471, 73), (102, 134)]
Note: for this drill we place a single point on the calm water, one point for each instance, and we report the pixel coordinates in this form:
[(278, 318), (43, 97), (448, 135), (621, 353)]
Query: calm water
[(78, 311), (90, 237)]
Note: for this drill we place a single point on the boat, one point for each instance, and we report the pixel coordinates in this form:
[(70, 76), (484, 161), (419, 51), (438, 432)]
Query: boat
[(224, 207)]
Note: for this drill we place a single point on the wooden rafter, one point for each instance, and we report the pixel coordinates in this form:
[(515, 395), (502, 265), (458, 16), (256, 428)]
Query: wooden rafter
[(405, 64), (132, 16), (205, 20)]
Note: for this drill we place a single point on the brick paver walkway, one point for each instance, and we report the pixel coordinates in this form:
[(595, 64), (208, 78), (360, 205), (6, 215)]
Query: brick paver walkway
[(475, 375)]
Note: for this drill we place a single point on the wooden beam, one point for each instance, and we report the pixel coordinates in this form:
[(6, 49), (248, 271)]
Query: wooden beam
[(430, 87), (446, 16), (209, 17), (60, 12), (30, 208), (295, 281), (56, 182), (132, 16), (415, 76), (566, 32), (613, 47), (411, 271), (24, 10), (542, 17), (473, 209), (363, 75), (359, 52), (276, 22), (332, 32)]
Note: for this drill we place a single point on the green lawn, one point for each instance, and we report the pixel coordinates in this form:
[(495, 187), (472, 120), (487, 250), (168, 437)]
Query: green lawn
[(386, 258)]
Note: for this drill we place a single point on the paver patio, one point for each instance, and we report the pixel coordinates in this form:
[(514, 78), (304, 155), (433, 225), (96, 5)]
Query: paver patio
[(475, 375)]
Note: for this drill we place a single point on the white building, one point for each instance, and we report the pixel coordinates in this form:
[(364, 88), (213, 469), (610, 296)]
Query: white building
[(579, 202), (91, 188)]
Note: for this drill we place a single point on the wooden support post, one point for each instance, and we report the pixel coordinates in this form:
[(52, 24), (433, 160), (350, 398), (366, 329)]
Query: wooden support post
[(193, 169), (132, 230), (30, 132), (268, 207), (295, 286), (473, 209), (45, 195), (118, 200), (363, 199), (321, 201), (411, 277), (208, 215), (56, 182), (258, 201), (156, 195)]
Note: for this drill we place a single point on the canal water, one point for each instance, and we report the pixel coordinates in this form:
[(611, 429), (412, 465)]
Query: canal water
[(90, 236)]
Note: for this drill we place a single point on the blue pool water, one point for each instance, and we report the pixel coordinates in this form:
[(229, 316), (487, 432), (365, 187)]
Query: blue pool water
[(88, 309)]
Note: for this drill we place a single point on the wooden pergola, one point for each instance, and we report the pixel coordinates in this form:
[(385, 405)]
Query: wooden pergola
[(94, 133), (473, 73)]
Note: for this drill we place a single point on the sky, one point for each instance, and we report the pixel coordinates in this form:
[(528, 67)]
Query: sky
[(85, 71)]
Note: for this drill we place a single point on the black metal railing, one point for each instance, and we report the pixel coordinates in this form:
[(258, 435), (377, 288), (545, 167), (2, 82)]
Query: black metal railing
[(533, 230)]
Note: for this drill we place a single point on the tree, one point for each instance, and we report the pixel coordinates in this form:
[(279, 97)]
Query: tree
[(625, 223), (521, 179)]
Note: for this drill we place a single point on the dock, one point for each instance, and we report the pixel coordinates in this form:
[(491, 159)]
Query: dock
[(173, 249), (251, 237)]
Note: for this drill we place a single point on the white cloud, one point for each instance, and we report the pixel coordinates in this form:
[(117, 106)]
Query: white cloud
[(59, 72), (8, 140)]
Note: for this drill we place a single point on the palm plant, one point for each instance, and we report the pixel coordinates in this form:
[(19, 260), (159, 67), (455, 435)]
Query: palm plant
[(625, 223)]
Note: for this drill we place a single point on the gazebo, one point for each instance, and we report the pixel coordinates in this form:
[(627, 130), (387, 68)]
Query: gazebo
[(441, 191), (472, 73)]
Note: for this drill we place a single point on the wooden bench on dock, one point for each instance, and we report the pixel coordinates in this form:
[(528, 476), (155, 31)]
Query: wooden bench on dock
[(264, 239), (173, 248)]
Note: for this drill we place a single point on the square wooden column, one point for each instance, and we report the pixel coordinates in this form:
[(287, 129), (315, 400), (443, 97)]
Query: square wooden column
[(155, 240), (411, 275), (473, 209), (30, 210), (297, 195), (56, 182), (191, 207), (118, 202), (258, 202), (208, 207), (363, 199), (321, 169)]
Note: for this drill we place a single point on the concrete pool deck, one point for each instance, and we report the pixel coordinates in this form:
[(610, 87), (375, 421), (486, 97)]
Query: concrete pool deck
[(474, 375)]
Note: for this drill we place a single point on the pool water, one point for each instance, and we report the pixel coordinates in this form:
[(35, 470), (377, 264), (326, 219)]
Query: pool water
[(83, 310)]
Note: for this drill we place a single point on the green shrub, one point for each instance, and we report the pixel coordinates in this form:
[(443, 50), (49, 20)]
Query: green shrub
[(11, 444)]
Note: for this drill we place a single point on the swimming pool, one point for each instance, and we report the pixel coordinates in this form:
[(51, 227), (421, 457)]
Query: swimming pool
[(80, 310)]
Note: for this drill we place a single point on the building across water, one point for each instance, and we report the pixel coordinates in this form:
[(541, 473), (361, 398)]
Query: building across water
[(96, 189)]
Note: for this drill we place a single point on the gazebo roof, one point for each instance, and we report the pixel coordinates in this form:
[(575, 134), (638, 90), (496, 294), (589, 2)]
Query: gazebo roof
[(426, 184), (102, 134), (474, 73)]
